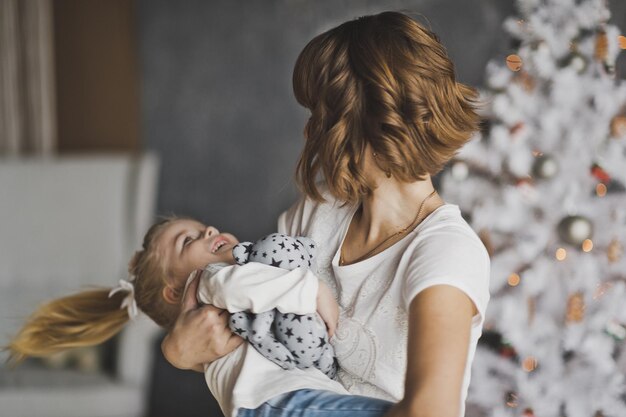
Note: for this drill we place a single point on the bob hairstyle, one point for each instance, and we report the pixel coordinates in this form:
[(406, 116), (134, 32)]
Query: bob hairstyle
[(383, 81)]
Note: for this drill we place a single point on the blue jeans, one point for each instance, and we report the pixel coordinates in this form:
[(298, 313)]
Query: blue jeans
[(318, 403)]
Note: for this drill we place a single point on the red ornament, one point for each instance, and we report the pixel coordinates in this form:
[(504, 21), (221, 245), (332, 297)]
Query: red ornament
[(528, 412), (600, 174), (516, 128), (508, 352)]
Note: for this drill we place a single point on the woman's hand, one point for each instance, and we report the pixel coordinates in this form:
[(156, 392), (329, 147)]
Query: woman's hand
[(327, 308), (200, 334)]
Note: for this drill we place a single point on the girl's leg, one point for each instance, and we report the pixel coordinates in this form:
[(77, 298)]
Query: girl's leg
[(318, 403)]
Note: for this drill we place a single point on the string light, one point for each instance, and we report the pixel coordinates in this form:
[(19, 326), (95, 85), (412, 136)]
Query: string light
[(529, 364), (514, 279), (587, 245), (561, 254), (601, 190)]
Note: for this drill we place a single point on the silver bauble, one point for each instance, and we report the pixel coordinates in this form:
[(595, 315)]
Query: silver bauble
[(459, 170), (578, 62), (575, 229), (545, 167)]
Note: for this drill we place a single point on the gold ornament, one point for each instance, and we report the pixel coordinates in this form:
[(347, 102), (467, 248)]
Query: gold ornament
[(575, 308), (602, 45), (621, 40), (615, 250), (618, 126), (514, 62)]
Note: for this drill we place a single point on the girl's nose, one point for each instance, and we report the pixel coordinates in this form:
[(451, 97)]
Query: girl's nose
[(210, 231)]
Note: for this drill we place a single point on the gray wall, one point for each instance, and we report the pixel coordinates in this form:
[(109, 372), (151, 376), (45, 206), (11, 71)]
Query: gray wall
[(217, 97), (218, 107)]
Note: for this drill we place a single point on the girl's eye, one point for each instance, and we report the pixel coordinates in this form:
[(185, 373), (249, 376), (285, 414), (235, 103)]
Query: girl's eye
[(187, 240)]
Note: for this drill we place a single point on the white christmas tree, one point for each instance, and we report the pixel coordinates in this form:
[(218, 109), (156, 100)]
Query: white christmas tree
[(543, 185)]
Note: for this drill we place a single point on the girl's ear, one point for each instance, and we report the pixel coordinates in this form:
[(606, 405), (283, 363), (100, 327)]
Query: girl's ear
[(171, 295)]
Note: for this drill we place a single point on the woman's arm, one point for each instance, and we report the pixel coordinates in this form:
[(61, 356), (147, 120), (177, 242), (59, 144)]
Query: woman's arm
[(440, 320), (200, 334)]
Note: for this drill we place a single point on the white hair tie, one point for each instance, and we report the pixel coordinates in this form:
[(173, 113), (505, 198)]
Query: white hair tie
[(128, 302)]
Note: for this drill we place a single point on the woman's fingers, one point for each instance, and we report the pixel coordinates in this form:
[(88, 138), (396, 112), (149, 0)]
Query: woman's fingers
[(200, 335), (233, 343), (327, 308), (331, 329), (190, 302)]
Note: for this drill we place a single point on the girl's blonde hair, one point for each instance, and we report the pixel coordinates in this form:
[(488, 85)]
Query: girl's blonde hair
[(383, 81), (92, 317)]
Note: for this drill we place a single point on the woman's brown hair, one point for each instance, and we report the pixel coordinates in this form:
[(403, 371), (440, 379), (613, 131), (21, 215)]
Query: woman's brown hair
[(383, 81), (92, 317)]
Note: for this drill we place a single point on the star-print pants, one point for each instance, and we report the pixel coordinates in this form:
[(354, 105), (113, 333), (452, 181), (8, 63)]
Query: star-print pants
[(318, 403)]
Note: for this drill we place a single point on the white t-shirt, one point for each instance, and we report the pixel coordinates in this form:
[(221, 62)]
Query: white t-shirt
[(244, 378), (374, 294)]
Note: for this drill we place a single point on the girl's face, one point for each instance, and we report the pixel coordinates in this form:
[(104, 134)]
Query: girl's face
[(186, 245)]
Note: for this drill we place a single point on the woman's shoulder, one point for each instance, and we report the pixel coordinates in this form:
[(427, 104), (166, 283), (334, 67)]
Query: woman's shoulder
[(447, 245), (448, 251), (447, 225)]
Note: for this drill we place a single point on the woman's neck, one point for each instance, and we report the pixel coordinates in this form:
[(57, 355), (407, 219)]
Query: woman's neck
[(393, 206)]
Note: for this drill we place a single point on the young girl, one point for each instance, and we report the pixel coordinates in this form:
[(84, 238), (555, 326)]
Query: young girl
[(173, 250)]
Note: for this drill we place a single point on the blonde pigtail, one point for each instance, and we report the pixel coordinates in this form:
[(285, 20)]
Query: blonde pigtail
[(92, 317), (84, 319)]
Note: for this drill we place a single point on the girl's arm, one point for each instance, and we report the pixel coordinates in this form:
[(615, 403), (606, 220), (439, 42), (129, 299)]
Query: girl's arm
[(439, 335), (257, 287), (201, 333)]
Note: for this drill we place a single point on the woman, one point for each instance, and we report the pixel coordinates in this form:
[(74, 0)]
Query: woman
[(410, 275)]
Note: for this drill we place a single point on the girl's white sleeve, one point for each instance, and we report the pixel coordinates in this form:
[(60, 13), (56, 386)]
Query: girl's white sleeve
[(256, 287)]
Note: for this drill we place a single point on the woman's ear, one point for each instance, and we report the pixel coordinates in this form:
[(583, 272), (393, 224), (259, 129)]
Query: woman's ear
[(171, 295)]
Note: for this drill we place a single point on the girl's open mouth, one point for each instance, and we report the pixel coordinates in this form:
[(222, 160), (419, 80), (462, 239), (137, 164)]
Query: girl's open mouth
[(218, 243)]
